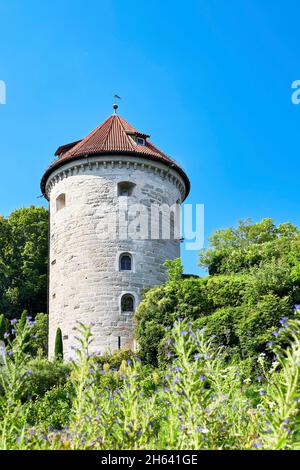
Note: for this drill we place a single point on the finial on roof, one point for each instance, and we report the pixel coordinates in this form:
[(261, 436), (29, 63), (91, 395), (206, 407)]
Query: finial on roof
[(115, 105)]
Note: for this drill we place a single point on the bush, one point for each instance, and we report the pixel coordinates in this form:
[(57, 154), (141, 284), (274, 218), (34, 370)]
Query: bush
[(40, 375), (52, 410), (58, 347), (254, 281)]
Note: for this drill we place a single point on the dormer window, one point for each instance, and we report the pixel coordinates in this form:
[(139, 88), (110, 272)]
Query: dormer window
[(140, 141)]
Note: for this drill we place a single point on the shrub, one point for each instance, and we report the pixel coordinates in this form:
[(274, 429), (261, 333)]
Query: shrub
[(58, 347), (40, 375), (52, 410)]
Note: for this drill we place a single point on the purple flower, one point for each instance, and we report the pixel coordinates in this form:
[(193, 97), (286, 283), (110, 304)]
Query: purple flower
[(201, 429), (14, 321), (296, 307), (183, 332), (13, 331), (259, 378), (6, 335), (202, 377), (275, 333), (196, 357), (129, 362), (262, 392), (179, 319), (283, 320), (256, 445), (169, 355), (269, 344), (296, 399), (29, 372)]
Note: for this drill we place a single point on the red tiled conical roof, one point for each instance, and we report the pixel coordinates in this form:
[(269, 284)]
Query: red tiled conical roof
[(113, 136)]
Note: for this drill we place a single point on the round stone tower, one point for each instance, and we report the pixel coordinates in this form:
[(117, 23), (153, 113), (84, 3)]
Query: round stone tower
[(109, 196)]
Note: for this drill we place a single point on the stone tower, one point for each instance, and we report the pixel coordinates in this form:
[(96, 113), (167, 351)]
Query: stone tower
[(97, 268)]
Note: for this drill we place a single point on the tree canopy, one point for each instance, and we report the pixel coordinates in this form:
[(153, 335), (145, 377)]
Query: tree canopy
[(23, 261), (253, 282)]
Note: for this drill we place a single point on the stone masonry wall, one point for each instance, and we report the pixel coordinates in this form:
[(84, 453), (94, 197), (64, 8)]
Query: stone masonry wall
[(85, 282)]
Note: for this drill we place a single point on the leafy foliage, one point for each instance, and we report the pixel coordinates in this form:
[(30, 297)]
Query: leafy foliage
[(23, 261), (254, 281), (199, 401), (58, 346)]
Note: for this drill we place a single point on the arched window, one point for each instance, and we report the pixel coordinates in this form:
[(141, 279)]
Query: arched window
[(125, 262), (60, 202), (125, 188), (127, 303)]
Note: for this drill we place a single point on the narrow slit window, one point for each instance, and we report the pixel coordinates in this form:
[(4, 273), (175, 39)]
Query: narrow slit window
[(60, 202)]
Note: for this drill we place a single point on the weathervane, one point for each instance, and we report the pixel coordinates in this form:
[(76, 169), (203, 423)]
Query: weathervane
[(115, 106)]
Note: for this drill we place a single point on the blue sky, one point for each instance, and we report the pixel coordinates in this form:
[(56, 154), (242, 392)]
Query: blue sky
[(210, 80)]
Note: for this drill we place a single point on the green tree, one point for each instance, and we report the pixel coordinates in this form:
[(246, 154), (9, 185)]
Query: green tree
[(23, 261), (254, 281), (58, 347), (3, 326)]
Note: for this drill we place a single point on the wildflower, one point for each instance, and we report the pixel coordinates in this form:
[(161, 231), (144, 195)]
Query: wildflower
[(269, 344), (180, 427), (179, 319), (14, 321), (13, 331), (169, 355), (296, 399), (257, 445), (283, 320), (184, 332), (262, 392), (6, 335), (202, 430), (296, 307), (275, 333), (129, 362), (196, 357), (202, 377), (169, 340), (29, 372), (259, 378)]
